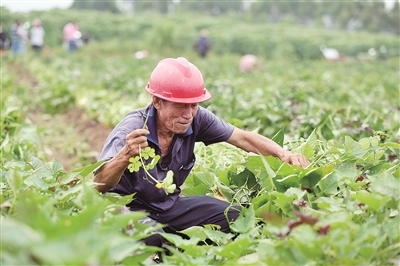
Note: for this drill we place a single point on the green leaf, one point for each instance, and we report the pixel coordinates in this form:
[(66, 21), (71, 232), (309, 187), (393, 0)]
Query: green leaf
[(125, 248), (245, 222), (153, 162), (279, 137), (268, 168), (329, 184), (30, 134), (56, 166), (315, 175), (241, 178), (261, 205), (295, 191), (386, 185), (169, 178), (179, 241), (312, 139), (195, 231), (84, 171), (283, 201), (138, 257), (270, 172), (134, 166), (150, 152), (196, 190), (170, 189), (330, 204), (134, 159), (68, 177), (393, 145), (36, 162), (225, 191), (235, 249), (121, 220), (374, 202), (353, 148), (17, 235), (206, 178), (307, 150), (215, 235), (307, 147), (370, 141)]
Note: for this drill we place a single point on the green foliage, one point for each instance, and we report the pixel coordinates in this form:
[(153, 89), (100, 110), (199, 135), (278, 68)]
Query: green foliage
[(108, 6), (341, 210), (52, 217), (165, 34), (370, 16)]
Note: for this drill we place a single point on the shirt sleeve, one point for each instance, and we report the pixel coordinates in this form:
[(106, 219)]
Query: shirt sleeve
[(211, 129), (114, 143), (117, 138)]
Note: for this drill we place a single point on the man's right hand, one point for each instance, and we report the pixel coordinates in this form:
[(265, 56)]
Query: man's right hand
[(135, 139)]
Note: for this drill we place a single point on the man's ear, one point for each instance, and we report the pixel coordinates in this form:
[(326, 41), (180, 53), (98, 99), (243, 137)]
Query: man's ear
[(157, 102)]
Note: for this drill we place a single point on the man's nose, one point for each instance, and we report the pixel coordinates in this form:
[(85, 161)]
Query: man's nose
[(187, 112)]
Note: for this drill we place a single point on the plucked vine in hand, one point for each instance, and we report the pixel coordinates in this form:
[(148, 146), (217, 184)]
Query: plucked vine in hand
[(138, 161)]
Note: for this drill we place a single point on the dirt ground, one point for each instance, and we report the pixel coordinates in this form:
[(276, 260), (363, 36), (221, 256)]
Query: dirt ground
[(70, 136)]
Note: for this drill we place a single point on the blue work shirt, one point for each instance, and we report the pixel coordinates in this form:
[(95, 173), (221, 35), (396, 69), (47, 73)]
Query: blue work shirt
[(206, 127)]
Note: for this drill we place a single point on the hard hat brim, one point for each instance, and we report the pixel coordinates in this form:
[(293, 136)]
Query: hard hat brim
[(168, 97)]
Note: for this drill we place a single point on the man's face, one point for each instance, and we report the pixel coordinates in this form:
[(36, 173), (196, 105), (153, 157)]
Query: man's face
[(175, 117)]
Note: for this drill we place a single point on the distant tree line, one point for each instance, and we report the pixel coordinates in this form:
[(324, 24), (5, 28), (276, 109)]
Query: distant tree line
[(372, 16)]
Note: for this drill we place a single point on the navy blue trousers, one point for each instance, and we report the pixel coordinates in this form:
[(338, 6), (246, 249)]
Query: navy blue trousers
[(193, 211)]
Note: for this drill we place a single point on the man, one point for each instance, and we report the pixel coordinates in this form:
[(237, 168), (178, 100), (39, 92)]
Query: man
[(174, 122), (202, 44)]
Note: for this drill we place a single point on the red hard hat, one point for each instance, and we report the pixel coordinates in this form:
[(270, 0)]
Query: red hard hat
[(178, 80)]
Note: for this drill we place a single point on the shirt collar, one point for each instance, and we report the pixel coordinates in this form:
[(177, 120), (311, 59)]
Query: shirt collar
[(151, 124)]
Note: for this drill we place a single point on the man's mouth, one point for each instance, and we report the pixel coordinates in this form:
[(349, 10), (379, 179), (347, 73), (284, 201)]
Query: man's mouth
[(185, 123)]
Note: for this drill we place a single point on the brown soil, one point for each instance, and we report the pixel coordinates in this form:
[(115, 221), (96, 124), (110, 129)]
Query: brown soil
[(72, 137)]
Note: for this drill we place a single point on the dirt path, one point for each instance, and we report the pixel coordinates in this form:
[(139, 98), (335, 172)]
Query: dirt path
[(71, 137)]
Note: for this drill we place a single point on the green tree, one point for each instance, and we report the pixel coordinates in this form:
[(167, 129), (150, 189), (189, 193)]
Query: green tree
[(109, 6), (213, 7), (392, 19), (160, 6)]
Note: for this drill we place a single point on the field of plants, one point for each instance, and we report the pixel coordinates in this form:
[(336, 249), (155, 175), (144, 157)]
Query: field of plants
[(343, 116)]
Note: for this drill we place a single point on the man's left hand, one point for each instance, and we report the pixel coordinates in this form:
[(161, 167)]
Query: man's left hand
[(296, 159)]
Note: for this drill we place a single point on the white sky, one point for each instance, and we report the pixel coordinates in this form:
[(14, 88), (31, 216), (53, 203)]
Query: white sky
[(29, 5)]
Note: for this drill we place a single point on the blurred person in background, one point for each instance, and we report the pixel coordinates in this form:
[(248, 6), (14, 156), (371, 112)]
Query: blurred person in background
[(202, 44), (248, 63), (4, 40), (71, 32), (171, 125), (19, 36), (37, 35)]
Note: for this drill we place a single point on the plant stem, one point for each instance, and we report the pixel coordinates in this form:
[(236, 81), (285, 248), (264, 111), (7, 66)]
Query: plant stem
[(147, 118), (144, 166)]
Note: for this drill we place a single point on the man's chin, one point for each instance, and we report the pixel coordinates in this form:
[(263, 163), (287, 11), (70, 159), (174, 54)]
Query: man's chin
[(181, 129)]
